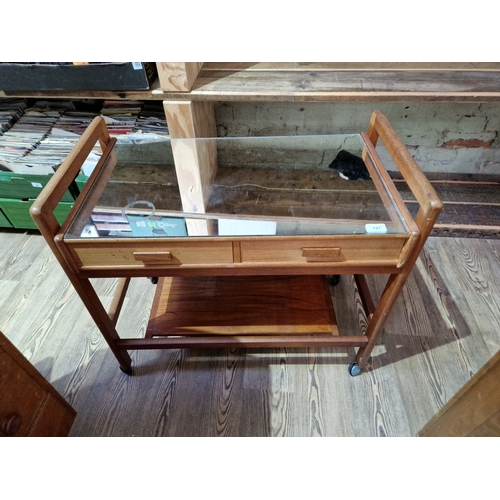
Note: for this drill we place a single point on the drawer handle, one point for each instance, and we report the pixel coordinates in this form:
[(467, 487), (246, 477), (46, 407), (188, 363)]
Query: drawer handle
[(322, 254), (11, 424), (154, 257)]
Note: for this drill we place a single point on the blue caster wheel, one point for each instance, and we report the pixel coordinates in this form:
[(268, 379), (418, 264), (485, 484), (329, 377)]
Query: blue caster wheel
[(354, 369)]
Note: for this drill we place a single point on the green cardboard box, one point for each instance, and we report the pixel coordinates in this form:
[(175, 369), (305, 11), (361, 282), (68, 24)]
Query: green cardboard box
[(81, 180), (18, 212), (4, 222), (26, 186)]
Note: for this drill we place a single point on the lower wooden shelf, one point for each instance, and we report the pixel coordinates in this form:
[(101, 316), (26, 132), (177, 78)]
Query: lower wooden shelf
[(265, 310)]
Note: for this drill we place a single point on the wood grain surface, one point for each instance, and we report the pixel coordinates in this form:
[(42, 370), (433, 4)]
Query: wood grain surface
[(244, 305), (326, 82), (444, 327)]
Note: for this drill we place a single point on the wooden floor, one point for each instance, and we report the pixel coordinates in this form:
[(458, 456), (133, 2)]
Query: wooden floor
[(445, 326)]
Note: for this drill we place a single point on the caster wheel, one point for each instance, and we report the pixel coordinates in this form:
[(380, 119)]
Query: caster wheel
[(354, 369), (154, 281), (335, 279), (127, 372)]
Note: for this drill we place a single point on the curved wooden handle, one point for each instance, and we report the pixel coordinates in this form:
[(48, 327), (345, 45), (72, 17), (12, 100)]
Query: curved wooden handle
[(430, 204), (42, 209), (422, 189)]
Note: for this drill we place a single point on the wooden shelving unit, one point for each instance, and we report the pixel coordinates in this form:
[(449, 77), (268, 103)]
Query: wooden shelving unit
[(189, 90), (324, 82)]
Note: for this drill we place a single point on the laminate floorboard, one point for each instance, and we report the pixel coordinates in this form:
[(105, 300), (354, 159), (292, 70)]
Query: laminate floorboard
[(445, 326)]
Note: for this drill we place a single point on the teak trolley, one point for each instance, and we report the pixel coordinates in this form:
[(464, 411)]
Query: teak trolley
[(208, 274)]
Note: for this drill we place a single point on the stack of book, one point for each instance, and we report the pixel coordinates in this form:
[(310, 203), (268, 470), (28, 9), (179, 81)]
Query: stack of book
[(23, 137), (11, 111), (152, 119), (121, 116), (75, 122), (40, 140), (36, 140)]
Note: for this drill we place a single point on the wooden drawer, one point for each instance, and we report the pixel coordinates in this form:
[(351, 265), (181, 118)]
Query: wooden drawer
[(345, 249), (141, 254), (29, 405), (21, 398), (53, 419)]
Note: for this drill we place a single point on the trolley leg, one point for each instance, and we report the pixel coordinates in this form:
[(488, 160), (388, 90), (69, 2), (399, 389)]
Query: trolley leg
[(391, 292), (100, 316)]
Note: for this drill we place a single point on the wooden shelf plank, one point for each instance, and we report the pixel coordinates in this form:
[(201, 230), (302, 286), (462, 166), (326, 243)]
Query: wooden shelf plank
[(350, 66), (245, 305), (328, 82), (344, 85)]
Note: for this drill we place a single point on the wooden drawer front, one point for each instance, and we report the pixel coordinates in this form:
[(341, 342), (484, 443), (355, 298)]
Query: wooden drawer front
[(21, 398), (154, 255), (54, 419), (342, 250)]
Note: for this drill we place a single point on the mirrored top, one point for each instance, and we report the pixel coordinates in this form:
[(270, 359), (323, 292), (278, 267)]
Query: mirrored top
[(252, 186)]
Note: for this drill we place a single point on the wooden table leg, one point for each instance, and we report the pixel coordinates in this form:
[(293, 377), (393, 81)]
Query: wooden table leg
[(103, 321), (375, 325)]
